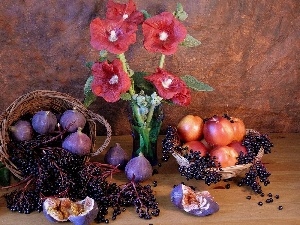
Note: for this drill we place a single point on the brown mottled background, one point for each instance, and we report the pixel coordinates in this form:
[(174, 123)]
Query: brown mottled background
[(249, 54)]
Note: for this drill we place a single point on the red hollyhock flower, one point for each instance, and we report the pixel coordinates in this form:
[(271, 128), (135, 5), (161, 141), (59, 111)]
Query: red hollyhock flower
[(183, 98), (163, 33), (124, 12), (170, 87), (115, 37), (110, 80)]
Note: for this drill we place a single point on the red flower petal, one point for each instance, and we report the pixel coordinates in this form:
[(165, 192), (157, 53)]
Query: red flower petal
[(115, 37), (126, 12), (183, 98), (167, 84), (110, 80), (163, 33)]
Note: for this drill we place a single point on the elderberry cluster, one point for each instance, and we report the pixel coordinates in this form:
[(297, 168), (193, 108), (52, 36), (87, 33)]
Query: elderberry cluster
[(131, 194), (200, 168), (49, 170), (169, 143), (257, 173), (24, 201)]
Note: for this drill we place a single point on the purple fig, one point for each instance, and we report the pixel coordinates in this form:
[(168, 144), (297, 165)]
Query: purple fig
[(193, 202), (88, 215), (44, 122), (63, 209), (22, 130), (138, 169), (71, 120), (78, 143), (116, 156)]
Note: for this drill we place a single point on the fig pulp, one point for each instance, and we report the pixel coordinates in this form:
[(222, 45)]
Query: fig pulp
[(22, 130), (138, 169), (193, 202), (71, 120), (44, 122), (63, 209)]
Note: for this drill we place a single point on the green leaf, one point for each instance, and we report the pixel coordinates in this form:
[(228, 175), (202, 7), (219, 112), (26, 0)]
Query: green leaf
[(126, 96), (146, 14), (4, 177), (87, 85), (89, 96), (89, 99), (190, 41), (195, 84), (180, 13), (89, 64), (141, 83), (103, 55)]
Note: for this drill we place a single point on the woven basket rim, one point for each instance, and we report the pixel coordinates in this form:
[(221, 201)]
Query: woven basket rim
[(59, 101)]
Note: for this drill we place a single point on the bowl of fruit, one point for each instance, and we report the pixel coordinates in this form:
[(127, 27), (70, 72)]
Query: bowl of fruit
[(45, 121), (217, 148)]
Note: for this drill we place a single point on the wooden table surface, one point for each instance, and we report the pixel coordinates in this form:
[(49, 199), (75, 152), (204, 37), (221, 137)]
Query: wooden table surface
[(283, 163)]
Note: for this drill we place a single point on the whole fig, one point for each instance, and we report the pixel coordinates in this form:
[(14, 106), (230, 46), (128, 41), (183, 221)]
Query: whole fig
[(116, 156), (72, 119), (22, 130), (138, 169), (44, 122), (193, 202), (78, 143)]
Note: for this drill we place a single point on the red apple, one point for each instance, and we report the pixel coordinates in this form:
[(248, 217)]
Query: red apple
[(218, 130), (196, 146), (224, 155), (239, 129), (190, 128), (238, 147)]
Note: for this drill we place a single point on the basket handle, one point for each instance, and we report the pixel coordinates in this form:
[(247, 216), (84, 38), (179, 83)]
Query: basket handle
[(97, 117)]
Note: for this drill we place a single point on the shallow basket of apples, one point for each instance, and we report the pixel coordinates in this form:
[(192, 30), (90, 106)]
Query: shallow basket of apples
[(218, 148)]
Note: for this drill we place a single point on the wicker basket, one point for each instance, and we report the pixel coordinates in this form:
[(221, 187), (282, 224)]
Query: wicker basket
[(226, 172), (56, 102)]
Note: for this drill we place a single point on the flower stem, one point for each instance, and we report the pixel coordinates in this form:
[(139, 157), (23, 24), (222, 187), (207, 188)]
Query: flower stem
[(150, 114), (125, 68), (162, 61), (135, 109)]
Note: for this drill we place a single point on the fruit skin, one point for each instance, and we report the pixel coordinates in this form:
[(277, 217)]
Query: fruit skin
[(116, 156), (196, 146), (190, 128), (193, 202), (224, 155), (90, 213), (77, 143), (238, 147), (138, 169), (72, 120), (22, 130), (44, 122), (239, 129), (218, 130)]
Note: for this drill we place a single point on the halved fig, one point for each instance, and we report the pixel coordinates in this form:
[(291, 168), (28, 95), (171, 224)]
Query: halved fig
[(63, 209), (194, 202)]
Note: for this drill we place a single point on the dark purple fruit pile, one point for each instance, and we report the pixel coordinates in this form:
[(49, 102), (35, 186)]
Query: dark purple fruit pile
[(52, 168)]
